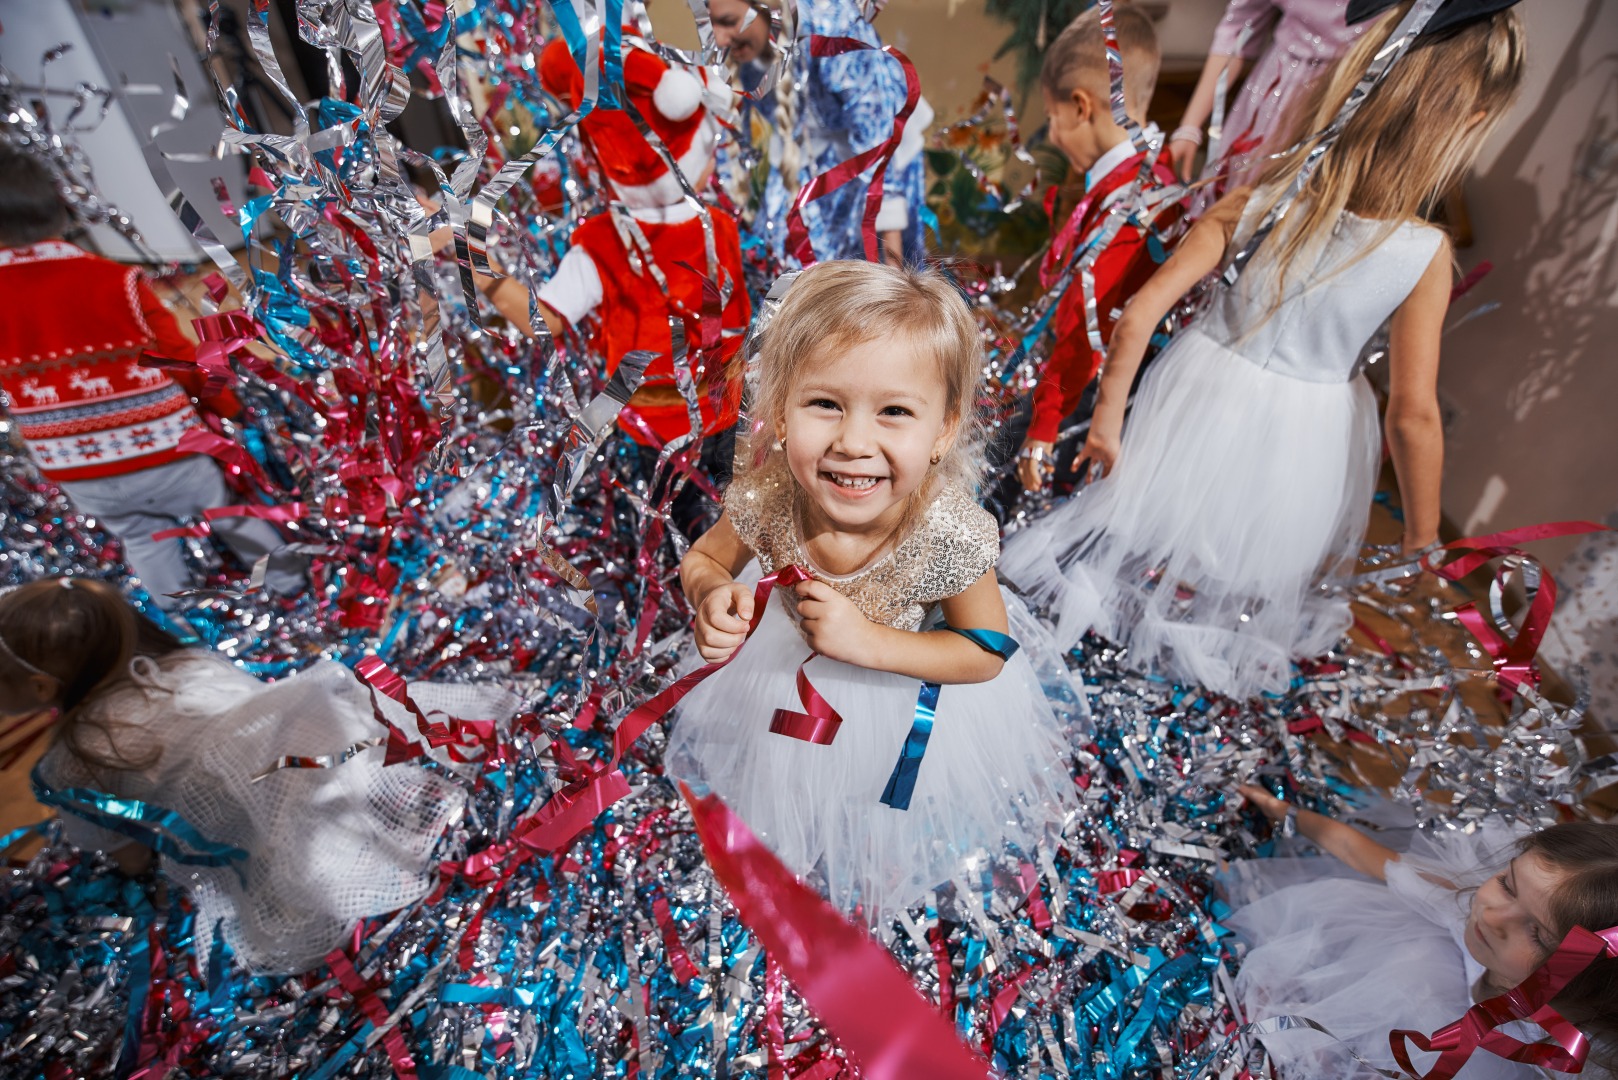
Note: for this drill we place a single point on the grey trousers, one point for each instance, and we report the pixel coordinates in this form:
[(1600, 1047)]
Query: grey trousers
[(136, 505)]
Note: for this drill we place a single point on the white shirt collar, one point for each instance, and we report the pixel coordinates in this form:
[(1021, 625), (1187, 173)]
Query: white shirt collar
[(1114, 158)]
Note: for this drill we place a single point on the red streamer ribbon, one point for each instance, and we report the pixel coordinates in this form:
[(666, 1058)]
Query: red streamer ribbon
[(284, 513), (1529, 1001), (798, 245), (679, 959), (364, 995), (462, 737), (1513, 657), (31, 726), (233, 456), (852, 984), (818, 722)]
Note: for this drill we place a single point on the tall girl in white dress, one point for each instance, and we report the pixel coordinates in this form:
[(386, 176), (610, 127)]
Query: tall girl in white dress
[(1238, 498), (859, 475)]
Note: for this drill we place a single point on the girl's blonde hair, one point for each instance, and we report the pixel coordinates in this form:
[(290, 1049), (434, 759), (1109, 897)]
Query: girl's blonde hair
[(1412, 139), (835, 305)]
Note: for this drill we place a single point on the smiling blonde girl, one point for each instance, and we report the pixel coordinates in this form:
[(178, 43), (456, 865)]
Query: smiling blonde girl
[(860, 474)]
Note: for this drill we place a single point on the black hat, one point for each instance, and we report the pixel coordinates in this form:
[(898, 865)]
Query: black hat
[(1450, 16)]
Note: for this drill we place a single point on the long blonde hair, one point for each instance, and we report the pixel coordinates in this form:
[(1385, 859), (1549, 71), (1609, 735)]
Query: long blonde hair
[(834, 305), (1412, 139)]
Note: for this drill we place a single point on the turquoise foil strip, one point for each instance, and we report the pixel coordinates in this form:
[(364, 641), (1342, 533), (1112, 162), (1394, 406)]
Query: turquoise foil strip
[(901, 783), (163, 830)]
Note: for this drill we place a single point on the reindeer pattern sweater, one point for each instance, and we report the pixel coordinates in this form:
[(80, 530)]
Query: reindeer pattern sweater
[(70, 347)]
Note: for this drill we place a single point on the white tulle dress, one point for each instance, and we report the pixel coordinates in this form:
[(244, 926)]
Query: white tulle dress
[(324, 847), (994, 770), (1362, 958), (1242, 487)]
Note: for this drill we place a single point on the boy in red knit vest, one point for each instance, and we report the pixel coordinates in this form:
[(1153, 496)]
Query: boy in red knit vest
[(99, 424), (1076, 86)]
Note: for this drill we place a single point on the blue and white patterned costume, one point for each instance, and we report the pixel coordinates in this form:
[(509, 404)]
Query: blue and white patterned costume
[(846, 104)]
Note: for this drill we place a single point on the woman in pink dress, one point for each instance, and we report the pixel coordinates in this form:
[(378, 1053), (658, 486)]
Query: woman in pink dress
[(1294, 41)]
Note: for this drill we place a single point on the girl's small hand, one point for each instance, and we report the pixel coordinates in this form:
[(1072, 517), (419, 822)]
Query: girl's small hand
[(1268, 804), (1035, 462), (833, 625), (1183, 155), (721, 621), (1100, 449)]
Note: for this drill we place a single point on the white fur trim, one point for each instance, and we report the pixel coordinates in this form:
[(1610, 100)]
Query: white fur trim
[(678, 94), (894, 215), (717, 96)]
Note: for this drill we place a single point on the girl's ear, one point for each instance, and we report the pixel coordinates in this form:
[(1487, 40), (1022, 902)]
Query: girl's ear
[(946, 438)]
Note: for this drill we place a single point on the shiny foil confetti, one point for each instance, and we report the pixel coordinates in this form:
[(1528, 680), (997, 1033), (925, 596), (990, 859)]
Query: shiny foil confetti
[(470, 518)]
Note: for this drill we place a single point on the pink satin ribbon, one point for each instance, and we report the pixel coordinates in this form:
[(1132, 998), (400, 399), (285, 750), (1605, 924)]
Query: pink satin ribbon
[(818, 722), (1529, 1001), (1513, 657), (798, 245), (851, 983)]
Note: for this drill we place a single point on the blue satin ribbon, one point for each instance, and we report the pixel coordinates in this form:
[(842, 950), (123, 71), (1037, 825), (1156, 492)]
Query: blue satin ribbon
[(901, 783), (162, 830)]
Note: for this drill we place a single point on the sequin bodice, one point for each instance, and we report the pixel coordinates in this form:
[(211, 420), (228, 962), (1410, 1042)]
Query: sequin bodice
[(954, 545)]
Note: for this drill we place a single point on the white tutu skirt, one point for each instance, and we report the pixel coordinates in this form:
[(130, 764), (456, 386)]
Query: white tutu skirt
[(1238, 502), (994, 771), (325, 847), (1363, 958)]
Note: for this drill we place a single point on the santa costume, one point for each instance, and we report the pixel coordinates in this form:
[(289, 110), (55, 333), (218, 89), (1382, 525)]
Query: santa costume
[(646, 258)]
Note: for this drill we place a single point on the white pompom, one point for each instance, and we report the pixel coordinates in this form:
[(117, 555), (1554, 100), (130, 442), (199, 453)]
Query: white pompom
[(678, 94)]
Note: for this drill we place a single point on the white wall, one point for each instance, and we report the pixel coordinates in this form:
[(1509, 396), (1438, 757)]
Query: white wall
[(114, 45), (1534, 383)]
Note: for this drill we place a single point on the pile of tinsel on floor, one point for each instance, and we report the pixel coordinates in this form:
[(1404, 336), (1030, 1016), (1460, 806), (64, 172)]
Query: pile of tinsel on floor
[(466, 523)]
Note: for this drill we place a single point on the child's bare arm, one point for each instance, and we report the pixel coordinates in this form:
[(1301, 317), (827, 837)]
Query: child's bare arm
[(1198, 255), (1414, 424), (1350, 845), (510, 299), (507, 294), (721, 608), (834, 626), (1200, 108)]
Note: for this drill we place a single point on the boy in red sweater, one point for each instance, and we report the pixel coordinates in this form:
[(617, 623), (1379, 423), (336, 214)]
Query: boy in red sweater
[(1077, 91), (100, 425)]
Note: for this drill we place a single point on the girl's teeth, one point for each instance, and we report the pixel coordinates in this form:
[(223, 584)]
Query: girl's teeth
[(858, 483)]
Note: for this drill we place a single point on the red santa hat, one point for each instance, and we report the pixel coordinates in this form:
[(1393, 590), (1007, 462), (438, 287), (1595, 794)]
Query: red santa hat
[(672, 100)]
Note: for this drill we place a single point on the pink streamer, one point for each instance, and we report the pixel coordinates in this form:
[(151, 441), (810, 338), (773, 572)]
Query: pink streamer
[(853, 985)]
